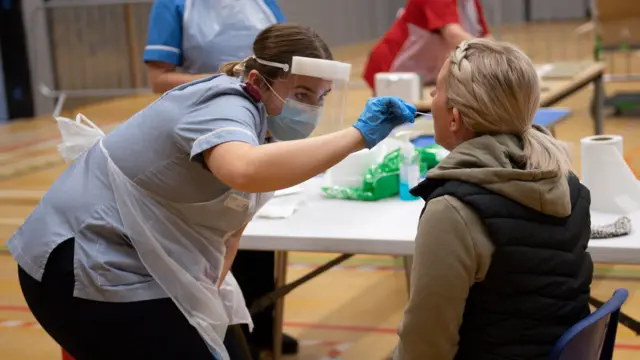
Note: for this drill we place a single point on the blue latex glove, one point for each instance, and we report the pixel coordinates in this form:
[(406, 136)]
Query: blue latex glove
[(381, 115)]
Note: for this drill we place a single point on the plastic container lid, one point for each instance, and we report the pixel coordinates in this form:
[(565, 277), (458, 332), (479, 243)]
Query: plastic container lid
[(407, 149)]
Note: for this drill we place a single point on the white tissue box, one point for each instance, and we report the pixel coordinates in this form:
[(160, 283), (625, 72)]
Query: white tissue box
[(406, 86)]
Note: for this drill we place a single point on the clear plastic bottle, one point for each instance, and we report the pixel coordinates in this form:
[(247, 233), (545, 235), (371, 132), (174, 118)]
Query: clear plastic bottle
[(409, 170)]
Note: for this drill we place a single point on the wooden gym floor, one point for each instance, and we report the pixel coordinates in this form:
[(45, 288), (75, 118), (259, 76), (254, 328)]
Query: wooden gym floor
[(350, 312)]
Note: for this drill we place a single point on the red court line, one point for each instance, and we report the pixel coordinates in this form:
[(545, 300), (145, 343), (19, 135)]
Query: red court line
[(628, 347), (393, 331), (352, 328), (13, 308)]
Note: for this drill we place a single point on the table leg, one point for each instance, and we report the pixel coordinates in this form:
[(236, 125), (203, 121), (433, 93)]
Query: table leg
[(281, 278), (598, 108), (282, 289), (407, 261)]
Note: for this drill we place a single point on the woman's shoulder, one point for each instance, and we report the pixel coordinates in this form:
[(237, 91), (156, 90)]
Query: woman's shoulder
[(456, 225), (450, 208)]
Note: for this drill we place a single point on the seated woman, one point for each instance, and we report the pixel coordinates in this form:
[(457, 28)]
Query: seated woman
[(500, 268)]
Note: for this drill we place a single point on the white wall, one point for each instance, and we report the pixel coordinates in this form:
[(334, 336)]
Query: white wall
[(510, 11), (342, 22), (558, 9)]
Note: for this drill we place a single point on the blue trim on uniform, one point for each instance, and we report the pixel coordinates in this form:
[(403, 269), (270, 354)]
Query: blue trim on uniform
[(164, 36), (170, 57), (220, 136), (275, 9)]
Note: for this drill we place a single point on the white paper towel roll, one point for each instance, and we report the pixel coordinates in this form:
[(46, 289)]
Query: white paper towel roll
[(613, 186)]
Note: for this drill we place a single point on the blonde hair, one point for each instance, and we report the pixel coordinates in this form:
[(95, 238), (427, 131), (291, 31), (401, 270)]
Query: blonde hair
[(496, 89)]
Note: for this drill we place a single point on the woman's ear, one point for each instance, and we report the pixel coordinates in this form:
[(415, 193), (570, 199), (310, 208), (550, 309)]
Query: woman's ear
[(456, 120), (456, 115), (255, 79)]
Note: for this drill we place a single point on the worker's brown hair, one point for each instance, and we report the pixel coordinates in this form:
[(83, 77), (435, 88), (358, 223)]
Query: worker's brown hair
[(279, 43)]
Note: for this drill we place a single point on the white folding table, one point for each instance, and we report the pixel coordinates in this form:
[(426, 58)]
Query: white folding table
[(385, 227)]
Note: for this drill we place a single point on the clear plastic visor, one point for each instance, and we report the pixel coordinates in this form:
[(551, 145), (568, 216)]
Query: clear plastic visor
[(326, 97), (322, 85)]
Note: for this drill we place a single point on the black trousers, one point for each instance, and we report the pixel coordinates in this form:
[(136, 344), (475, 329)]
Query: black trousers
[(254, 271), (94, 330)]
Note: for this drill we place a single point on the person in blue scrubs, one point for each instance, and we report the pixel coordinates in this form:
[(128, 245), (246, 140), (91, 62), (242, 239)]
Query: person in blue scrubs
[(128, 253), (189, 40)]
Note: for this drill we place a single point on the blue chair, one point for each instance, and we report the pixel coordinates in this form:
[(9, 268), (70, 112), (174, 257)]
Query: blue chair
[(593, 338)]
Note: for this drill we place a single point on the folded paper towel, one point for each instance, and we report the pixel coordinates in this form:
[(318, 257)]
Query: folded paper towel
[(620, 227), (283, 204)]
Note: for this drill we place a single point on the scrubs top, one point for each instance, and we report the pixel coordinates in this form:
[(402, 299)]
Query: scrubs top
[(199, 37), (413, 43), (160, 149)]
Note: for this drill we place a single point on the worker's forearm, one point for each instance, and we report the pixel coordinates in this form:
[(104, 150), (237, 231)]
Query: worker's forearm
[(288, 163), (170, 79)]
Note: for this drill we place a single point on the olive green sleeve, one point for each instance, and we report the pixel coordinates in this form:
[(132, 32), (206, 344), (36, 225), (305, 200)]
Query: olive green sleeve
[(452, 252)]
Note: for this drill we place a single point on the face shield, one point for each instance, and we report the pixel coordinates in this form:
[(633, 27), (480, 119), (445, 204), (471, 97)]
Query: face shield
[(323, 85), (315, 100)]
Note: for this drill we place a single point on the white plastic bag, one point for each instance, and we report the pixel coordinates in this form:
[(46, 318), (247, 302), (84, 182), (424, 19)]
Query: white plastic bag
[(77, 138), (350, 172)]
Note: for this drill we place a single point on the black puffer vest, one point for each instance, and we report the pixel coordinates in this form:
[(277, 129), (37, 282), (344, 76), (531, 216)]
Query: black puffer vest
[(537, 285)]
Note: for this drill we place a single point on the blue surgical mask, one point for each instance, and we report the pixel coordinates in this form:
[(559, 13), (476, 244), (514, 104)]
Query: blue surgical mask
[(296, 121)]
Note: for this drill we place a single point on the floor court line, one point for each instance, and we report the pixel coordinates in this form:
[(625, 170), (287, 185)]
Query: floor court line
[(366, 329), (21, 308)]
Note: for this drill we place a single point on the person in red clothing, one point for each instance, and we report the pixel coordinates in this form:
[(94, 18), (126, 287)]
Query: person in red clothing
[(423, 35)]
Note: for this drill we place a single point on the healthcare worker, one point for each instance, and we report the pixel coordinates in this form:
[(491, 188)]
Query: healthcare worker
[(189, 39), (422, 37), (127, 256), (186, 41)]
